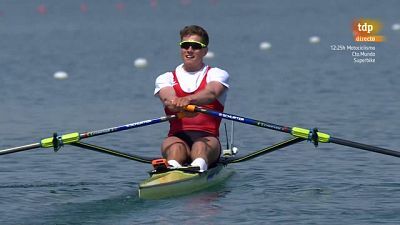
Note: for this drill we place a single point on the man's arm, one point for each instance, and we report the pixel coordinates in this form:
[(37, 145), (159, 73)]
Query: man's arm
[(212, 91), (167, 96)]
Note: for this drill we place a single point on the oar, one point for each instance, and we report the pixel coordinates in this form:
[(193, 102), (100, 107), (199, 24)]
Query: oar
[(57, 141), (312, 135)]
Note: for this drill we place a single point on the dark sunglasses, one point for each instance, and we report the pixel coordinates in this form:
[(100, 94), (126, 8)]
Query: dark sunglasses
[(194, 44)]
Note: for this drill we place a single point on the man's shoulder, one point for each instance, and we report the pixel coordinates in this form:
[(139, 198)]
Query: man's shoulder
[(166, 75), (218, 72)]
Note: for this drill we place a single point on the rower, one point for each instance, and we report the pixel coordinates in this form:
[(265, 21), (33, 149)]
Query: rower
[(194, 139)]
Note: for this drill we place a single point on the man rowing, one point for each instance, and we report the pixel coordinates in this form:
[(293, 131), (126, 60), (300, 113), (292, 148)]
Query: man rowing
[(194, 139)]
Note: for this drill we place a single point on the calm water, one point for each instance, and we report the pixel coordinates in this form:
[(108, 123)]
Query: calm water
[(295, 83)]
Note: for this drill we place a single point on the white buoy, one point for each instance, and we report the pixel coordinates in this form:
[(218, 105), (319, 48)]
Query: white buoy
[(209, 55), (60, 75), (314, 39), (396, 26), (265, 45), (140, 63)]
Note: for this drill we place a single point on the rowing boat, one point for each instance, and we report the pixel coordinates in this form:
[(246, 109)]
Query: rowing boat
[(182, 181), (171, 182), (168, 182)]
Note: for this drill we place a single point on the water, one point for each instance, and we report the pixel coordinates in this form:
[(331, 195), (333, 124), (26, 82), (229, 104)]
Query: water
[(295, 83)]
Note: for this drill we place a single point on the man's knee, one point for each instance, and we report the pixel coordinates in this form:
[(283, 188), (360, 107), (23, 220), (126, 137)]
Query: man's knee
[(177, 147)]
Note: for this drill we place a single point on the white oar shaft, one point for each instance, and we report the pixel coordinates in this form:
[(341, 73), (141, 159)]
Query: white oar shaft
[(20, 148)]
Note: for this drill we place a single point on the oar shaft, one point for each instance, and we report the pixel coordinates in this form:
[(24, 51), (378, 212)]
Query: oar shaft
[(57, 141), (20, 148), (240, 119), (126, 126), (364, 147), (306, 134)]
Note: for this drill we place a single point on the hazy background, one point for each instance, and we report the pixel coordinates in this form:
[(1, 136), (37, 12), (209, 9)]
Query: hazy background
[(295, 83)]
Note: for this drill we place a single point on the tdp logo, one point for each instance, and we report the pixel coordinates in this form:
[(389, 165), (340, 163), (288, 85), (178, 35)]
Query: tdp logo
[(367, 30), (365, 27)]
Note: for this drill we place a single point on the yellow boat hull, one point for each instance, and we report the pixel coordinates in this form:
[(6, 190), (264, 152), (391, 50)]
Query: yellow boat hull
[(176, 182)]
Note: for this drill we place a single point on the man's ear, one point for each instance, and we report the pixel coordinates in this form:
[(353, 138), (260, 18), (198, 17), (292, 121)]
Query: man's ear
[(205, 52)]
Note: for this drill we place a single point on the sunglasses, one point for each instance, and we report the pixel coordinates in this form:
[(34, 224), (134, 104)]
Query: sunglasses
[(194, 44)]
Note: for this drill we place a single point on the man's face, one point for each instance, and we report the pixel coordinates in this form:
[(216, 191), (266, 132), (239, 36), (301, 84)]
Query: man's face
[(193, 58)]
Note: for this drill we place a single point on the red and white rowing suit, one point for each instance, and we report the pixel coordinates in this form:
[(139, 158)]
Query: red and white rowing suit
[(187, 83)]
